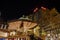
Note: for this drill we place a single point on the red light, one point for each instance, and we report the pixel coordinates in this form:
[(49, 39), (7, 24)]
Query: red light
[(43, 8), (35, 9)]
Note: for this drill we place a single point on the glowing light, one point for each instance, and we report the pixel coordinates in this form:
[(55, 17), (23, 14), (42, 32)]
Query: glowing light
[(48, 34), (35, 9), (3, 34), (12, 33), (43, 8), (6, 35)]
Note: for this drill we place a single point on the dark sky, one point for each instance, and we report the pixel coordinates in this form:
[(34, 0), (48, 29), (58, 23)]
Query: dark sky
[(15, 9)]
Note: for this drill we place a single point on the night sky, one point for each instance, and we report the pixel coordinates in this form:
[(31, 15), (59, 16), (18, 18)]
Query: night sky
[(15, 9)]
